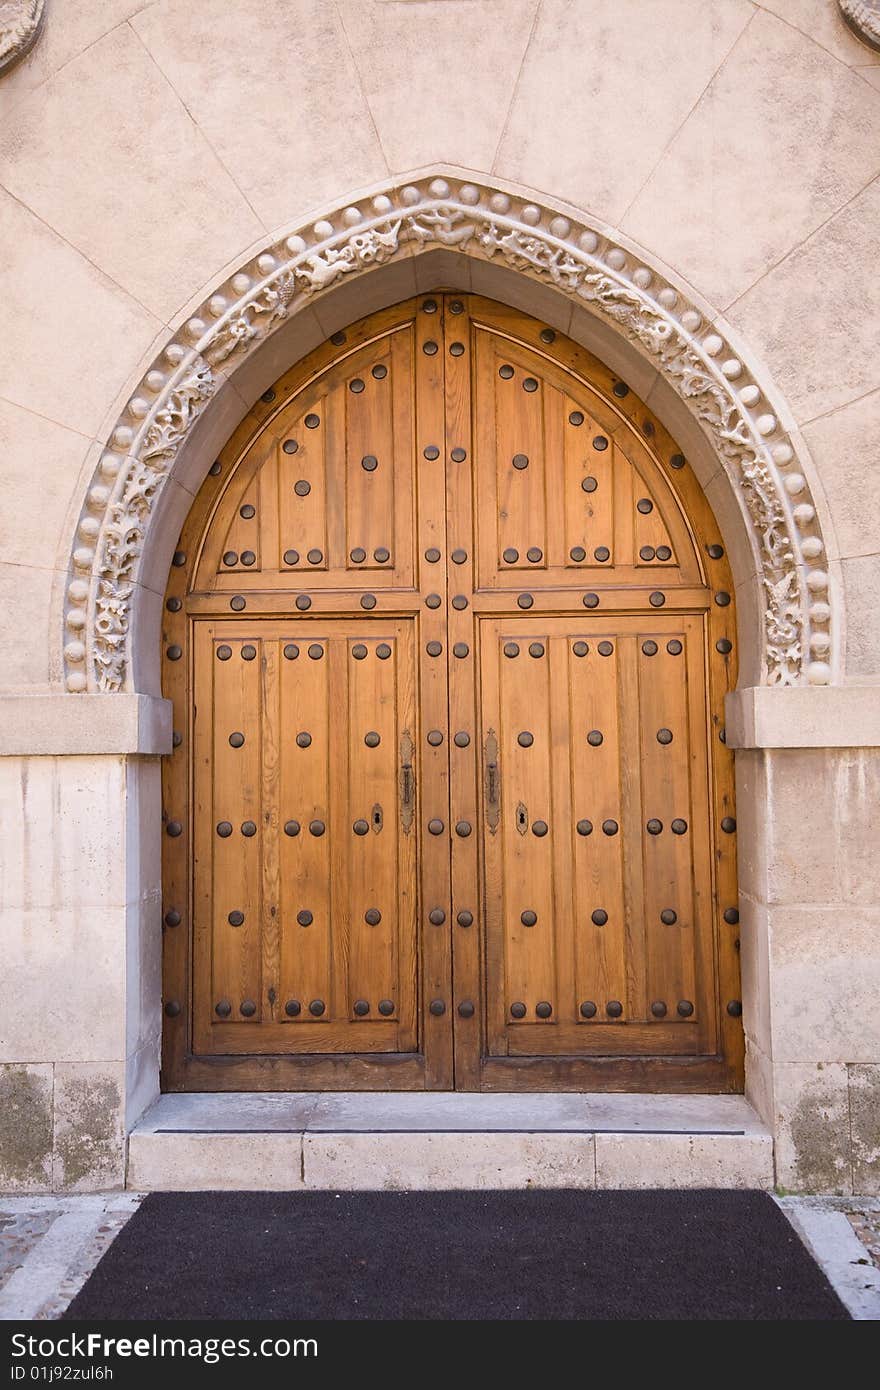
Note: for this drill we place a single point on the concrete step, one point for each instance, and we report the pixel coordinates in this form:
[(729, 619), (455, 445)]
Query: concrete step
[(425, 1140)]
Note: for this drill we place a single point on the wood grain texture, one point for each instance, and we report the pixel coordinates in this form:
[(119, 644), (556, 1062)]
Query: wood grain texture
[(449, 481)]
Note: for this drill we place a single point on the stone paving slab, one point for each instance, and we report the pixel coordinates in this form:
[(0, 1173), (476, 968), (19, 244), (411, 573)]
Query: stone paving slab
[(50, 1245), (827, 1228), (866, 1225)]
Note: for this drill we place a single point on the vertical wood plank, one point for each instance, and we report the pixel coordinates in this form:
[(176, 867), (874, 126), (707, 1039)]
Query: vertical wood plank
[(632, 826), (596, 800), (309, 779), (433, 445)]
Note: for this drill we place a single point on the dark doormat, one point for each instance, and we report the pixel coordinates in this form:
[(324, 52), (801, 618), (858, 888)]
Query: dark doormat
[(457, 1255)]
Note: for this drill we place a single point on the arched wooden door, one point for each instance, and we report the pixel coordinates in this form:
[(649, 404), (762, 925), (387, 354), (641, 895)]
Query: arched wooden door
[(448, 637)]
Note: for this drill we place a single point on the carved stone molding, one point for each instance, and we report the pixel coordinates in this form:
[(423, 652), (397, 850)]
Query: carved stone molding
[(863, 18), (584, 263), (20, 25)]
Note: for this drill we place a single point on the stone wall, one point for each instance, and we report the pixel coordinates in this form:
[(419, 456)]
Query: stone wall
[(145, 151)]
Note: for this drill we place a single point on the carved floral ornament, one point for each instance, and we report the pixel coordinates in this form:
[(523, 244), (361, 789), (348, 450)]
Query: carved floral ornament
[(584, 264), (20, 24), (863, 18)]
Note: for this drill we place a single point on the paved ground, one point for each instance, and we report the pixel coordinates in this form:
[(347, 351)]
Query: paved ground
[(50, 1245)]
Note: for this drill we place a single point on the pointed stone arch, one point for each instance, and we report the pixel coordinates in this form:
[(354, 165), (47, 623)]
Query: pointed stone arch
[(583, 262)]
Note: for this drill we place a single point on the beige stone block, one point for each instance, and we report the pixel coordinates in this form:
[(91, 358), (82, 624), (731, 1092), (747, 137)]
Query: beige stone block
[(825, 978), (89, 1135), (751, 823), (871, 75), (603, 89), (141, 1081), (62, 987), (861, 586), (723, 204), (684, 1160), (25, 602), (41, 467), (441, 269), (757, 994), (26, 1123), (63, 839), (864, 1113), (67, 30), (815, 317), (426, 1162), (202, 1162), (844, 448), (813, 1150), (792, 716), (438, 78), (823, 23), (40, 725), (759, 1082), (108, 157), (143, 974), (71, 335), (274, 87), (820, 826), (143, 828)]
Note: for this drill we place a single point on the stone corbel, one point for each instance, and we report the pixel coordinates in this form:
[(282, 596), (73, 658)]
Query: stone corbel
[(841, 716)]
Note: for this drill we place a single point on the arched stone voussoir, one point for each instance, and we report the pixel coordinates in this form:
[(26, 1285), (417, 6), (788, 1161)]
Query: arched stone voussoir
[(655, 324)]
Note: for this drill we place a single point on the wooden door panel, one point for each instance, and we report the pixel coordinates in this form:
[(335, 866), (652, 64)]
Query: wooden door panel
[(333, 497), (565, 489), (306, 838), (602, 828)]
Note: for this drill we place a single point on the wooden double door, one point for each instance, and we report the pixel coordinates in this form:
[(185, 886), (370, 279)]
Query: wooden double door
[(447, 637)]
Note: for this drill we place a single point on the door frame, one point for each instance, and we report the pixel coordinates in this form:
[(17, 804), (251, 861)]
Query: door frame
[(472, 1071)]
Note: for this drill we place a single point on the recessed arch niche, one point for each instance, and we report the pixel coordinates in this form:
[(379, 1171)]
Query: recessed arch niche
[(375, 250)]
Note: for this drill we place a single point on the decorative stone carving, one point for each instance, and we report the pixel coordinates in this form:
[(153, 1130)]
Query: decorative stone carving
[(127, 519), (863, 18), (20, 25), (584, 263)]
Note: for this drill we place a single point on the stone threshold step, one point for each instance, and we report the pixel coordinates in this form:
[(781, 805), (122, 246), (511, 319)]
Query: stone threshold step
[(436, 1140)]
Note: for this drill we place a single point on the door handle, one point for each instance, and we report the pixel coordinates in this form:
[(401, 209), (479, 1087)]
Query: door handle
[(407, 782), (492, 781)]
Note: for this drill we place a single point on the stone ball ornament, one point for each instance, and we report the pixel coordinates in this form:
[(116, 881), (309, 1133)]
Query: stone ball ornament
[(21, 23), (862, 17), (730, 400)]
